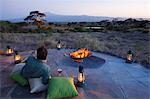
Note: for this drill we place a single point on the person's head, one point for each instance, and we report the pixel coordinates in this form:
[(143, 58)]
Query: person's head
[(42, 53), (129, 52)]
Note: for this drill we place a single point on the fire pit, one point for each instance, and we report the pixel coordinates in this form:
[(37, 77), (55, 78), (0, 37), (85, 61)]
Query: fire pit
[(82, 57), (79, 55)]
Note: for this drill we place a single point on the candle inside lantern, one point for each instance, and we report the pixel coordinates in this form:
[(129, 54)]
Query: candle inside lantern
[(17, 57), (81, 76), (9, 51), (129, 57), (59, 45)]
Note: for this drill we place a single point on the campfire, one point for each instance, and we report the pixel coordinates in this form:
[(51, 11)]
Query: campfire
[(80, 54)]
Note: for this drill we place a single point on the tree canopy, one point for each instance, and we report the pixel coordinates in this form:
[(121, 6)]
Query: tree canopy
[(36, 18)]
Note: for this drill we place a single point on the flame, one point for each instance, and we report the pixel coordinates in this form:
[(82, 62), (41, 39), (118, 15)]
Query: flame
[(17, 58), (81, 53), (81, 77), (58, 45), (129, 57)]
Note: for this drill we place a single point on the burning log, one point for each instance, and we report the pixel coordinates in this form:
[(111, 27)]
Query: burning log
[(81, 53)]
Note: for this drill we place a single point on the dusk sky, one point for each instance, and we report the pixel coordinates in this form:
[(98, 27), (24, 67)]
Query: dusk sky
[(112, 8)]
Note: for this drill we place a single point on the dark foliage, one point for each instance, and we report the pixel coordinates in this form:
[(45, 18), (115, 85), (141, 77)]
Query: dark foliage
[(35, 23)]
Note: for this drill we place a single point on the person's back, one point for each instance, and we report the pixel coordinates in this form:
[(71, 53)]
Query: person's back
[(35, 68)]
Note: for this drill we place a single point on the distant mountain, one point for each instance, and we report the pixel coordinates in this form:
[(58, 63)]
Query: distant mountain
[(74, 18), (51, 17)]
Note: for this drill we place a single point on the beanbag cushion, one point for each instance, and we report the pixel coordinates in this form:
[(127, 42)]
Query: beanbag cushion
[(36, 85), (16, 74), (61, 87)]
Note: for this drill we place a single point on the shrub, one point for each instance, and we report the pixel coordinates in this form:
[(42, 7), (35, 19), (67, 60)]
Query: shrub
[(81, 29)]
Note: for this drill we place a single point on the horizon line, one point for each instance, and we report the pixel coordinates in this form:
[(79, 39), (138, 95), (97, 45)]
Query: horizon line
[(53, 13)]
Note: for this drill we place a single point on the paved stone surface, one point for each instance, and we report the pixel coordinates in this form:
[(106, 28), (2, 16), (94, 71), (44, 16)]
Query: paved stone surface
[(113, 79), (89, 62)]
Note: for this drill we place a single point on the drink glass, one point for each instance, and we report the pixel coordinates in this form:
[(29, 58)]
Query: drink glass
[(59, 70)]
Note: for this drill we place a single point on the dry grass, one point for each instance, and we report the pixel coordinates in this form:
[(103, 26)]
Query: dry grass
[(88, 42), (22, 41), (115, 43)]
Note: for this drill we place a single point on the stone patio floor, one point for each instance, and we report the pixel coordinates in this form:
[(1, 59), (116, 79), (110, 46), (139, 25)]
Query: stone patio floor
[(113, 79)]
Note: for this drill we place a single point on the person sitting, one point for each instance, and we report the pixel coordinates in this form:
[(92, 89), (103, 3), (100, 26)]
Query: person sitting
[(36, 68)]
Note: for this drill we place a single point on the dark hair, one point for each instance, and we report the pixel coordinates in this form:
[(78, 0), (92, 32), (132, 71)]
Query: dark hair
[(42, 53), (129, 52)]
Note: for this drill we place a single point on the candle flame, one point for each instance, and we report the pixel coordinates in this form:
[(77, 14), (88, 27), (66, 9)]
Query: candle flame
[(129, 57), (9, 51), (17, 57), (81, 77)]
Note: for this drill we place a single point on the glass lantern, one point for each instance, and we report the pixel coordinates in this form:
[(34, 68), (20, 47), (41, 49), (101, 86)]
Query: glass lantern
[(81, 76), (9, 51), (129, 57), (17, 57), (59, 46)]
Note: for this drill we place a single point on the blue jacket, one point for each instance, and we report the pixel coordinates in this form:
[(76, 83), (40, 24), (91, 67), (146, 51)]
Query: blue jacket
[(35, 68)]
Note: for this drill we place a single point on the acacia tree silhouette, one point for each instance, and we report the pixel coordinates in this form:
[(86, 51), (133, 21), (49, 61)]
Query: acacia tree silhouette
[(36, 18)]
